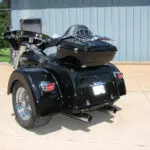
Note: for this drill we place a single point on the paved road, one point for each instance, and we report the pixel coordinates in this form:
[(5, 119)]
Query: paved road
[(129, 129)]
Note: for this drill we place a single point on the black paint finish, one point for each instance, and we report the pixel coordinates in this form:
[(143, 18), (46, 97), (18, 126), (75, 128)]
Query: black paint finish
[(73, 91), (72, 87), (45, 102)]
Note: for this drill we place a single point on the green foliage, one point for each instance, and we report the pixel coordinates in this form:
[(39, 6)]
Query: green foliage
[(3, 22), (4, 55)]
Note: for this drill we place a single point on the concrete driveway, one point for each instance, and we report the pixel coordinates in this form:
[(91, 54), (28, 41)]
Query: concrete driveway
[(129, 129)]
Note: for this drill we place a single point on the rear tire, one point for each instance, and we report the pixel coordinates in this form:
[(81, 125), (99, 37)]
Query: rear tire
[(24, 107)]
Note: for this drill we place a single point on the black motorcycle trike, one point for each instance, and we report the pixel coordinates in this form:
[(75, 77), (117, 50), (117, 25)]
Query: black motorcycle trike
[(78, 78)]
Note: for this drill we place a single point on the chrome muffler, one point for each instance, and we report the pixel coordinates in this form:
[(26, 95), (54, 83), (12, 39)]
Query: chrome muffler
[(80, 116)]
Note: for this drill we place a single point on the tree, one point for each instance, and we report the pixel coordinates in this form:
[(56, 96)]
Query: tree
[(3, 21)]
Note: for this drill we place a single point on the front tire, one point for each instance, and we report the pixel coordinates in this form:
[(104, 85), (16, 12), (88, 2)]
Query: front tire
[(24, 107)]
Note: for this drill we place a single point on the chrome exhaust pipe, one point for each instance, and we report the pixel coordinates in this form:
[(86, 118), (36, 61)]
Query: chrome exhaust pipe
[(111, 108), (81, 116)]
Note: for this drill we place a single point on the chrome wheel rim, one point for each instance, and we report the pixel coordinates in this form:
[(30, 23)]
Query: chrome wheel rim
[(23, 106)]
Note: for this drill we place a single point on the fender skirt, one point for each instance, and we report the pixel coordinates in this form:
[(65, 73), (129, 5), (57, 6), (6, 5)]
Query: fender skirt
[(45, 102)]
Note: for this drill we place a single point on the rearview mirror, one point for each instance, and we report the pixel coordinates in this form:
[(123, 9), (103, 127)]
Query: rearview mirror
[(8, 28)]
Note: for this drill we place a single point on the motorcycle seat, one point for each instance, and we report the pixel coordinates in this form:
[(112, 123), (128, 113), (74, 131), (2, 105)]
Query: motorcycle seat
[(75, 31)]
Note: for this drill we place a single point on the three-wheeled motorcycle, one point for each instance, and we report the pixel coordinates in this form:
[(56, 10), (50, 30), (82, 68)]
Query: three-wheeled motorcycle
[(76, 79)]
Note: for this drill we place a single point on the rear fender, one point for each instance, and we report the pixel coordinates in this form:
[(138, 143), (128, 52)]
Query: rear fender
[(120, 82), (45, 103)]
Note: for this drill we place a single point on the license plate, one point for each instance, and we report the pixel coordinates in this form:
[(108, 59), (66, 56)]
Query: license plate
[(99, 89)]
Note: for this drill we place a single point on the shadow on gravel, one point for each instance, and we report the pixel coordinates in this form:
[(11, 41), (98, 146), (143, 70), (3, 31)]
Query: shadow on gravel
[(60, 121)]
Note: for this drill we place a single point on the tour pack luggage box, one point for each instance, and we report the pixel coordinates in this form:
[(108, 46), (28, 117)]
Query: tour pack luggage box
[(82, 47)]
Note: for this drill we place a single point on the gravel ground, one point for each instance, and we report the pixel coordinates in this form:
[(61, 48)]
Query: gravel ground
[(129, 129)]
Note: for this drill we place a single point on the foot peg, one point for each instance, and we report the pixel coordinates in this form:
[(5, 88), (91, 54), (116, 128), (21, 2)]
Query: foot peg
[(111, 108)]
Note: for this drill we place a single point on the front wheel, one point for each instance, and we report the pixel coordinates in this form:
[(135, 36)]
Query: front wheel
[(24, 107)]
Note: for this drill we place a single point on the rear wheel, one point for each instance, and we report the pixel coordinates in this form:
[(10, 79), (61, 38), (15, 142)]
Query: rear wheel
[(24, 108)]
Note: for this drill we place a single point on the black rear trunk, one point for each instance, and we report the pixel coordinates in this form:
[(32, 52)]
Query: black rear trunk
[(80, 46), (87, 79), (77, 86), (86, 59)]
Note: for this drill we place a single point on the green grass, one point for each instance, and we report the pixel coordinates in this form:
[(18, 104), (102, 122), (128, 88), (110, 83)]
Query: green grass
[(5, 55)]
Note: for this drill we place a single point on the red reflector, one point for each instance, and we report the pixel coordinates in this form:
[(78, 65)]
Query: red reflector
[(120, 75), (105, 39), (50, 87)]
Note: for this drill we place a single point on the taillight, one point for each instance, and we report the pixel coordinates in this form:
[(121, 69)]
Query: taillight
[(105, 39), (118, 75), (47, 86), (50, 87)]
